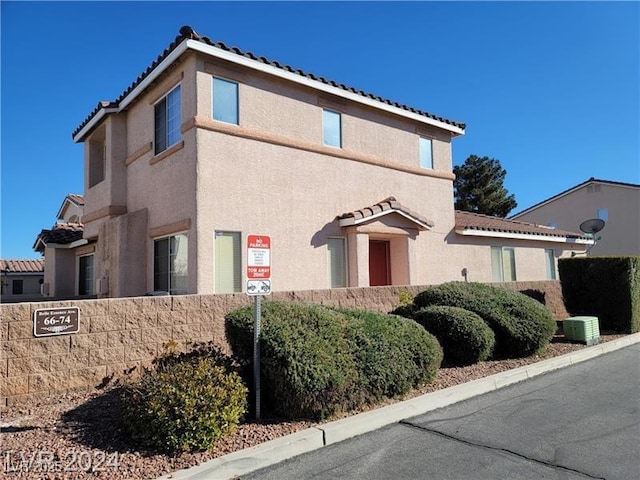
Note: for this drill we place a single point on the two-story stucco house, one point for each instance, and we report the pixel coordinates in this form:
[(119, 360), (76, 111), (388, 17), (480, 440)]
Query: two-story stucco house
[(211, 144), (617, 203)]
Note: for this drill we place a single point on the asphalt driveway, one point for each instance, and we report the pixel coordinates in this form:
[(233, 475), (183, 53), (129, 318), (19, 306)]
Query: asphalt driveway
[(579, 422)]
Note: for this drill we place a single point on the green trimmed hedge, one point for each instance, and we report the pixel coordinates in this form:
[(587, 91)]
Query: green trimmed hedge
[(317, 361), (465, 338), (606, 287), (186, 403), (522, 326)]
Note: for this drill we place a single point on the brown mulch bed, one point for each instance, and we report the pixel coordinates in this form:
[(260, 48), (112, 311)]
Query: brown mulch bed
[(79, 435)]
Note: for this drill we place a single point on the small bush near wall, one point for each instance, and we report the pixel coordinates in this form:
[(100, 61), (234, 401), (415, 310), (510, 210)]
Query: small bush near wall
[(186, 403), (606, 287), (464, 336), (317, 360), (522, 326)]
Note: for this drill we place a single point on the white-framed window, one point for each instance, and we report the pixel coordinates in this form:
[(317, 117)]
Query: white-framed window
[(337, 262), (85, 275), (603, 214), (426, 153), (331, 128), (503, 264), (224, 100), (228, 262), (550, 261), (168, 118), (171, 264)]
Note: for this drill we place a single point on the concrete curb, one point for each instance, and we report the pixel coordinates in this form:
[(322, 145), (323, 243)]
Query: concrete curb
[(275, 451)]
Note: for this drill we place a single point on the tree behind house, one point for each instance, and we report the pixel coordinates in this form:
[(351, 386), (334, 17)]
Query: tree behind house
[(479, 188)]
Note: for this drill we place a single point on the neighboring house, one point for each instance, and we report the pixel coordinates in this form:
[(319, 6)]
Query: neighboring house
[(211, 144), (69, 259), (21, 280), (617, 203)]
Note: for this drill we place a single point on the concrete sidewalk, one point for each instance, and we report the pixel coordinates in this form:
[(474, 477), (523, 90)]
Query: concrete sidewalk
[(275, 451)]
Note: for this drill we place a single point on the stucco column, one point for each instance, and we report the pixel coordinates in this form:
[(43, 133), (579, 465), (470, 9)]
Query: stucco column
[(358, 246)]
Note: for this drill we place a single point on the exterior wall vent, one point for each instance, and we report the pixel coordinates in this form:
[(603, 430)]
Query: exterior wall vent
[(582, 329)]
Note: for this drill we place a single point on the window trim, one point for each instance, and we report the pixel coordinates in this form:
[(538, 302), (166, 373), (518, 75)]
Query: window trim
[(324, 125), (185, 233), (502, 270), (93, 267), (420, 143), (213, 99), (164, 98), (345, 265)]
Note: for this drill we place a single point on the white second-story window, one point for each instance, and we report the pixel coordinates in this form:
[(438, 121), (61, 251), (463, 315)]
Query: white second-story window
[(331, 128), (225, 101), (426, 153), (168, 118)]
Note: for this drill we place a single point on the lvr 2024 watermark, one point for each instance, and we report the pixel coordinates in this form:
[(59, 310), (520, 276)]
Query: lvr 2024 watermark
[(48, 461)]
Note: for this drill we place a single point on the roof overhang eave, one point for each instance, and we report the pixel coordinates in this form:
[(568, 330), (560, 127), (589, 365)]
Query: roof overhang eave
[(472, 232), (351, 221)]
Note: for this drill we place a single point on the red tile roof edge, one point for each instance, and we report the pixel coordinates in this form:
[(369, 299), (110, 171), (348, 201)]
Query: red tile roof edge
[(22, 266), (188, 33)]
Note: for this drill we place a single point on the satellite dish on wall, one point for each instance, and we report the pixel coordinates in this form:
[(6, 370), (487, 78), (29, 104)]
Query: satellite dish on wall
[(592, 226)]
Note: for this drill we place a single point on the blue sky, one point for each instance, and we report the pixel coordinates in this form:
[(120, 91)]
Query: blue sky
[(551, 89)]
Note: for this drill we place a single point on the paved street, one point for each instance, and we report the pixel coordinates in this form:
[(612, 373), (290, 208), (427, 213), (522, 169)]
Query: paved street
[(579, 422)]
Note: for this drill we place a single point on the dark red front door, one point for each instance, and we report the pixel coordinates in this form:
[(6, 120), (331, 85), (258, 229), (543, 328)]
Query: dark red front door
[(379, 263)]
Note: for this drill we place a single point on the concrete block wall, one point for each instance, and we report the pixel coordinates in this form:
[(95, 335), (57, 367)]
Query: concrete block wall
[(124, 334)]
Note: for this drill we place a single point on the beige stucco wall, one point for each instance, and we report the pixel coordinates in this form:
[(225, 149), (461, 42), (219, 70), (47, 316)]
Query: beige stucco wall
[(621, 235), (272, 175)]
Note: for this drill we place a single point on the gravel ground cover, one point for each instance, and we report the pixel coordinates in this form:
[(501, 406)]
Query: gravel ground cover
[(79, 435)]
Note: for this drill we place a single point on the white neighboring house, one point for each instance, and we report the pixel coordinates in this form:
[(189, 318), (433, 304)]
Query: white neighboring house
[(21, 280), (69, 272), (617, 203)]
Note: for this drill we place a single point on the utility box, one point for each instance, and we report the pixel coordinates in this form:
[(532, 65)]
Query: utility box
[(582, 329)]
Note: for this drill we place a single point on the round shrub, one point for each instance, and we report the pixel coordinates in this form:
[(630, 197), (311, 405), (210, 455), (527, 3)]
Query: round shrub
[(306, 366), (465, 338), (521, 325), (183, 405), (392, 354)]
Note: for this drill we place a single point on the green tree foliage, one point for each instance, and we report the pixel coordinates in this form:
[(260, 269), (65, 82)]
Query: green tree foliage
[(479, 188)]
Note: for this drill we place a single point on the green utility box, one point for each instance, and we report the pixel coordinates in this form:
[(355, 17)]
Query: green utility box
[(582, 329)]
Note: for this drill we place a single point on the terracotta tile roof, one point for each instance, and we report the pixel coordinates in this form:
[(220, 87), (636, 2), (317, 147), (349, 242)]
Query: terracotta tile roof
[(476, 221), (576, 187), (22, 266), (77, 199), (61, 234), (388, 205), (187, 33)]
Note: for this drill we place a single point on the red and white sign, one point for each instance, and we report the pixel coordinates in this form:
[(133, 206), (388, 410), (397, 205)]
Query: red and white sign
[(258, 257)]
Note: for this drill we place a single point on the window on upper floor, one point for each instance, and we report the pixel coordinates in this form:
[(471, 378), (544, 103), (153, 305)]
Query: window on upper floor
[(550, 261), (426, 153), (331, 128), (228, 262), (225, 101), (170, 264), (168, 119), (85, 275), (337, 262), (503, 264), (97, 155), (603, 214)]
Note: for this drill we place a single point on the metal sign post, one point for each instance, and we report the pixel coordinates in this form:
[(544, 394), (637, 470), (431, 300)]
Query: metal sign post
[(258, 284)]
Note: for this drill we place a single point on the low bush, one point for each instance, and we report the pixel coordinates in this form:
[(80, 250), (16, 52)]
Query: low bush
[(392, 355), (317, 360), (185, 403), (522, 326), (465, 338), (306, 364)]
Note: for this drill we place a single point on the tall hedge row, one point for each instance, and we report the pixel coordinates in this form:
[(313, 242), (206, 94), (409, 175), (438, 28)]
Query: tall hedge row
[(606, 287)]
